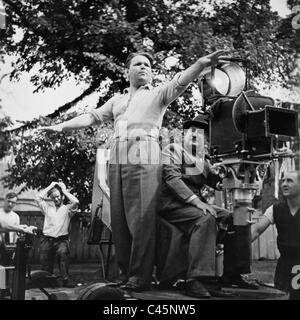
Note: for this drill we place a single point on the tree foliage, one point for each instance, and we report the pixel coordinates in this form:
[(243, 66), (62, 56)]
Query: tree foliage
[(41, 159), (5, 142), (90, 39)]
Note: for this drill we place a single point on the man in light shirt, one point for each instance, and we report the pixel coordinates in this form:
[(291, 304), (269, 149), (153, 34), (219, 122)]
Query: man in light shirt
[(9, 226), (134, 170), (286, 217), (10, 217), (55, 239)]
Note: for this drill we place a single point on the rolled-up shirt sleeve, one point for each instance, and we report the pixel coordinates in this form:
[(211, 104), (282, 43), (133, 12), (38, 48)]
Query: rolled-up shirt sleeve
[(41, 203), (172, 89), (104, 113), (269, 214)]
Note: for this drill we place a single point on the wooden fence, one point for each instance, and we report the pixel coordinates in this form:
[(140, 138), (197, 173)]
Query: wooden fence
[(80, 250), (263, 248)]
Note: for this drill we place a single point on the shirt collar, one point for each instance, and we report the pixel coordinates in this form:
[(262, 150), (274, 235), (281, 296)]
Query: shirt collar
[(147, 86)]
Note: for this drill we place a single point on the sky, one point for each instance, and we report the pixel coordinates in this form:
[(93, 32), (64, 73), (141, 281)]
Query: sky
[(20, 103)]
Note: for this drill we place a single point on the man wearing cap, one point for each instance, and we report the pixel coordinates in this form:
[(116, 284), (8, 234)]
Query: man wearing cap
[(185, 171), (134, 170)]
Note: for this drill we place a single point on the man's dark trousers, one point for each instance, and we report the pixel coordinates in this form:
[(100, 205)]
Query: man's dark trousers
[(52, 248), (134, 191)]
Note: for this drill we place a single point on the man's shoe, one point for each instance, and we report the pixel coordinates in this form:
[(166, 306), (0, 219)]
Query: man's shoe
[(194, 288), (131, 286), (240, 282), (116, 284), (219, 293), (121, 280)]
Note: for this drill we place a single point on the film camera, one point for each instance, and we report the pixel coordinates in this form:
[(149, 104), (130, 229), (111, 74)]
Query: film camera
[(243, 124), (245, 129)]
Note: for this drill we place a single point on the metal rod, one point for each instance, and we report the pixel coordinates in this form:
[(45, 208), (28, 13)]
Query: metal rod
[(108, 254), (248, 101), (213, 79)]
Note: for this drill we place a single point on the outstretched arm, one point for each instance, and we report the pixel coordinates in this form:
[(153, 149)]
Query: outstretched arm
[(95, 116), (193, 72), (6, 227), (82, 121), (171, 90)]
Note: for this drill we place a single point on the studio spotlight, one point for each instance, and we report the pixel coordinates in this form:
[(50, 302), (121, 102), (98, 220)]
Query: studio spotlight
[(225, 79)]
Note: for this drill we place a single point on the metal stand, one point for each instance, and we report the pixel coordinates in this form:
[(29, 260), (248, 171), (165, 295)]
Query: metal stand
[(105, 261), (24, 244), (241, 186)]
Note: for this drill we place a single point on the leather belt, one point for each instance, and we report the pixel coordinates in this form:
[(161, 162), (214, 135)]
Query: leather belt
[(64, 237)]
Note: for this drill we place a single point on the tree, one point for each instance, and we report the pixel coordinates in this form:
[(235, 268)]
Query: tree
[(90, 39), (5, 142), (4, 138), (68, 156)]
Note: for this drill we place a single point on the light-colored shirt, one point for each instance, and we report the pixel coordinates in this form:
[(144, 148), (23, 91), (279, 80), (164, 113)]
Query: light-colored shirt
[(56, 221), (12, 219), (269, 214), (142, 113)]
